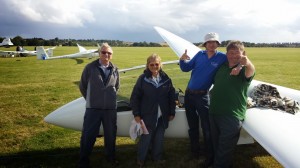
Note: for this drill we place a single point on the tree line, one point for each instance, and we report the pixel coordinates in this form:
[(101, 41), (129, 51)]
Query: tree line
[(19, 41)]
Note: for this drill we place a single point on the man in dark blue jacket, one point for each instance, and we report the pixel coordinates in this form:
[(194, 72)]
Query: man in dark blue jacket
[(99, 85)]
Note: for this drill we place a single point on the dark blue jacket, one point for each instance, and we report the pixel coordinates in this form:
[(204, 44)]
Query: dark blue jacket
[(98, 92), (146, 96)]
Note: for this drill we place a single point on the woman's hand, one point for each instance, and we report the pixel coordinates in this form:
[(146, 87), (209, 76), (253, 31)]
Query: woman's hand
[(137, 119), (171, 117)]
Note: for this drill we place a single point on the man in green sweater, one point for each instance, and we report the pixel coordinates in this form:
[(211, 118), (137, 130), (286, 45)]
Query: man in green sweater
[(229, 102)]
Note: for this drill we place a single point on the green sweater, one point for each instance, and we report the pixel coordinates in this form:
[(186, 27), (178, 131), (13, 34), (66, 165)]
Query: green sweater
[(229, 94)]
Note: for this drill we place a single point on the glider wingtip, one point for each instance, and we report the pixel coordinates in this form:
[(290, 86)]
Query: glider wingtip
[(157, 28)]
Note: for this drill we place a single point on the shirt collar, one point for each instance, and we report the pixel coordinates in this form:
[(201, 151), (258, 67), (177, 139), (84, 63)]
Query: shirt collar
[(104, 66)]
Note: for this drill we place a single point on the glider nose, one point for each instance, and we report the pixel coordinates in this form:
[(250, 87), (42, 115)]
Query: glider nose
[(69, 115)]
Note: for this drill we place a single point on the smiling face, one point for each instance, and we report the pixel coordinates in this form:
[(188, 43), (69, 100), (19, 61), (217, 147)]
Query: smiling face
[(234, 56), (105, 55), (211, 46), (235, 50), (154, 64)]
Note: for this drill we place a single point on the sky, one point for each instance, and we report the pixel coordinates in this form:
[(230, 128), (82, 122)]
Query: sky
[(257, 21)]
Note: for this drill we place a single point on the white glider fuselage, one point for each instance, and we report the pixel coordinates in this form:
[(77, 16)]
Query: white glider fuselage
[(25, 53), (83, 53)]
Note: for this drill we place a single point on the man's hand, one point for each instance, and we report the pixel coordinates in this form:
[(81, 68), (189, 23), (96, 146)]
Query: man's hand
[(244, 59), (243, 62), (236, 70), (185, 56)]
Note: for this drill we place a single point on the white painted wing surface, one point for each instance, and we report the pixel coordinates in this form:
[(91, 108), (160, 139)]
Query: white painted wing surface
[(277, 131), (144, 66), (178, 44)]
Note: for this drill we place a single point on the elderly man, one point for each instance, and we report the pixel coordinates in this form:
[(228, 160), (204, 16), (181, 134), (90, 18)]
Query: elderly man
[(99, 85)]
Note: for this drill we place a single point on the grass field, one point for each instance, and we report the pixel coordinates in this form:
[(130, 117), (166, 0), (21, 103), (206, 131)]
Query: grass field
[(31, 89)]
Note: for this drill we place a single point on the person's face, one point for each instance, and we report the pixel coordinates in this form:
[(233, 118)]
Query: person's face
[(105, 55), (211, 45), (234, 56), (154, 66)]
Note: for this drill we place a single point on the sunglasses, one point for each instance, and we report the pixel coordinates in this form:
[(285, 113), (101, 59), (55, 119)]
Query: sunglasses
[(105, 52), (156, 64)]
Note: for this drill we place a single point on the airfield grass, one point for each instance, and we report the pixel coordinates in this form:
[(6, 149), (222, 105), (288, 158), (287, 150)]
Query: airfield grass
[(31, 89)]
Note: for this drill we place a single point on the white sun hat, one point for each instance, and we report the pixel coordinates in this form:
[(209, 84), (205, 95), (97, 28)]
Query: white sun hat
[(211, 37)]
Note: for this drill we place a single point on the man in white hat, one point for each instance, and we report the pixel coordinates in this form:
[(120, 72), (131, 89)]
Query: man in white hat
[(203, 66)]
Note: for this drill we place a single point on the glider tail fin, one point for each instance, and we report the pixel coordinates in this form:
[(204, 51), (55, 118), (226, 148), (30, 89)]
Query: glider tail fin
[(6, 42), (41, 54), (81, 49)]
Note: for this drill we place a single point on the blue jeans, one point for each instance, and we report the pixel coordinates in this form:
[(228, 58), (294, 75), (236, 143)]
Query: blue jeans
[(196, 107), (225, 135)]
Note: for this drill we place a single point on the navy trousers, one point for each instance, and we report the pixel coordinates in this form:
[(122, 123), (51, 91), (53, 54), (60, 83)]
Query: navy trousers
[(93, 119), (225, 135), (153, 140), (196, 107)]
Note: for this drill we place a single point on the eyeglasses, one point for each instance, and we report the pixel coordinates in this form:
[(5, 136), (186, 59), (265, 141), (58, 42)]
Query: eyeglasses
[(105, 52), (156, 64)]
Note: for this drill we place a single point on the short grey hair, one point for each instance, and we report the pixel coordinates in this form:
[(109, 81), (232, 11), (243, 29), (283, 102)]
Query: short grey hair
[(104, 45)]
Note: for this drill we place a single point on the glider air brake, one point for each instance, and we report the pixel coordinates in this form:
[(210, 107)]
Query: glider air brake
[(275, 130), (42, 55)]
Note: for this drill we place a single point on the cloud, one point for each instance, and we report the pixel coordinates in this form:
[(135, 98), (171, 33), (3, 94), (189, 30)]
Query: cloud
[(71, 13), (133, 20)]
